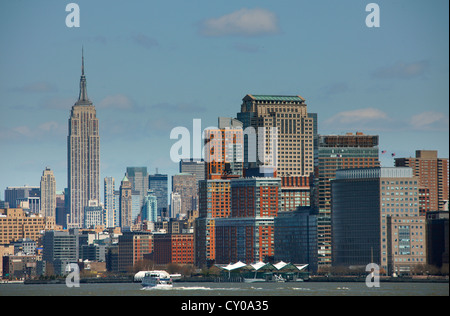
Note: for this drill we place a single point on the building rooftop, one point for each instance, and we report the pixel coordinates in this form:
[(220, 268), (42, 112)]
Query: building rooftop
[(286, 98)]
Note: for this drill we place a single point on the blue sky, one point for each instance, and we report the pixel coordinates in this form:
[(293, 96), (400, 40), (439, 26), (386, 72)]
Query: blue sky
[(154, 65)]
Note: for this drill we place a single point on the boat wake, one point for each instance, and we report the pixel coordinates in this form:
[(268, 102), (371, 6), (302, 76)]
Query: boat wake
[(300, 289), (191, 288)]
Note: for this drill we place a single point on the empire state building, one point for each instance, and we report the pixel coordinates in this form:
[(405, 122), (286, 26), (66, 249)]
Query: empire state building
[(83, 146)]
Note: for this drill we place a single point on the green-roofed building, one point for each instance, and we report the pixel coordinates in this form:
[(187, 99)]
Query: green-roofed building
[(293, 154)]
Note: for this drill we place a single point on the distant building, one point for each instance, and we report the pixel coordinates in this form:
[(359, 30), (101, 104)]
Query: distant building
[(61, 210), (173, 248), (19, 266), (175, 205), (25, 245), (375, 219), (60, 248), (159, 184), (48, 193), (295, 235), (193, 166), (295, 192), (15, 224), (150, 207), (93, 215), (125, 213), (224, 148), (4, 204), (433, 175), (132, 247), (83, 155), (247, 235), (438, 239), (185, 184), (110, 206), (138, 177), (337, 152), (15, 195), (290, 147), (214, 202)]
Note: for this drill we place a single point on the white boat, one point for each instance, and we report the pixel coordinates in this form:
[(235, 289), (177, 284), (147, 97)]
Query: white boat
[(254, 280), (157, 279)]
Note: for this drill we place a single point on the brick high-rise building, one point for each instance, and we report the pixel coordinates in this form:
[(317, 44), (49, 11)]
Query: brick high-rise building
[(15, 224), (214, 202), (248, 233), (295, 192), (173, 248), (224, 150), (432, 173), (132, 248), (83, 155)]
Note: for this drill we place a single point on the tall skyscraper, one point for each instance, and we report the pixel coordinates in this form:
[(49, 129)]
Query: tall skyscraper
[(138, 177), (194, 166), (175, 204), (248, 233), (337, 152), (159, 184), (224, 149), (150, 207), (48, 193), (110, 205), (214, 202), (433, 174), (83, 144), (125, 215), (289, 147), (186, 185)]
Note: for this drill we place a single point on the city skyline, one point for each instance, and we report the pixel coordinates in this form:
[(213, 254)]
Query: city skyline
[(149, 73)]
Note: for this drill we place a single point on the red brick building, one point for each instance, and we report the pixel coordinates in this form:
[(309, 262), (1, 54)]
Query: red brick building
[(173, 248), (248, 234), (433, 179)]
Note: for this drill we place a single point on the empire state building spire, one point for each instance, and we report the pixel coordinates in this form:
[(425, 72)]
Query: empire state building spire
[(83, 97), (83, 172)]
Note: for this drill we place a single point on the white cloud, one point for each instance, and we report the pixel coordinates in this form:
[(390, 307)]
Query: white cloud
[(360, 115), (244, 22), (118, 101), (430, 121), (45, 131), (372, 119), (401, 70)]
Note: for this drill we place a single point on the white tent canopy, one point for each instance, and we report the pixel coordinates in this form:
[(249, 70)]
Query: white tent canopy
[(280, 266)]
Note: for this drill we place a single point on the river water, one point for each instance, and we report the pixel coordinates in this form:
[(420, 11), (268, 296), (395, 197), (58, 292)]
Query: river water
[(231, 289)]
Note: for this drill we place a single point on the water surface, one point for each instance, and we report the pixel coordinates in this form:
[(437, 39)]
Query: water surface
[(231, 289)]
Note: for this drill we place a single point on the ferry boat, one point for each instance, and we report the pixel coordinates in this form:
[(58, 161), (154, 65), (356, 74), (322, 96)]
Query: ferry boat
[(157, 279)]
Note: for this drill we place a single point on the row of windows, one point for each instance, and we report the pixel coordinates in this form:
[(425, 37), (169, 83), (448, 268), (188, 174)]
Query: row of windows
[(408, 259), (398, 182)]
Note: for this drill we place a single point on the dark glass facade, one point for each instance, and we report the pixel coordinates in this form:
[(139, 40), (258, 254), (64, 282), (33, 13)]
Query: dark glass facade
[(356, 221)]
